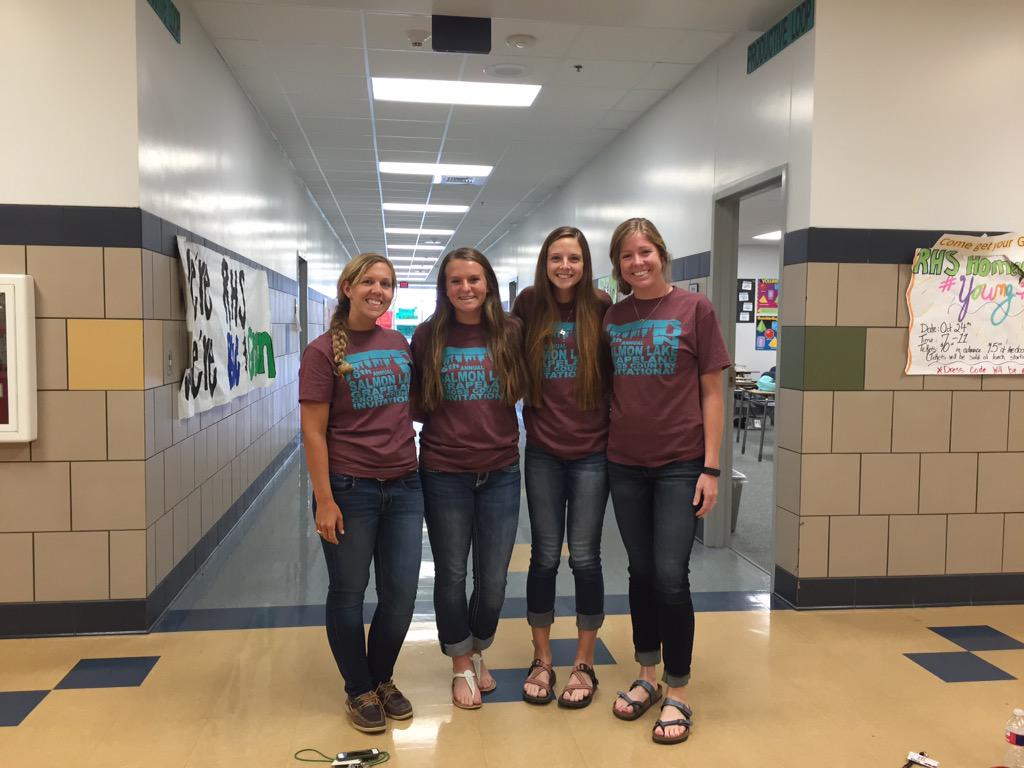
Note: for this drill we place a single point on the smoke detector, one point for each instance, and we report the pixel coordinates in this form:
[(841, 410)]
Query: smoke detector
[(507, 71), (417, 37), (520, 42)]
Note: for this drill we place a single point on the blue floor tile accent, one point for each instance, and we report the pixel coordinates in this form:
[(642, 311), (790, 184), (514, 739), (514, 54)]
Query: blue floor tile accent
[(510, 686), (15, 706), (959, 667), (125, 672), (979, 638)]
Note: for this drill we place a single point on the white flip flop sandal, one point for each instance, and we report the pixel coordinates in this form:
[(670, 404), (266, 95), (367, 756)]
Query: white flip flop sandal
[(470, 677)]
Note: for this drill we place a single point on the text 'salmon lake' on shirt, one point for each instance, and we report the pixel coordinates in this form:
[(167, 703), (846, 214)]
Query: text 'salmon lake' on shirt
[(472, 429), (369, 429), (659, 351), (556, 424)]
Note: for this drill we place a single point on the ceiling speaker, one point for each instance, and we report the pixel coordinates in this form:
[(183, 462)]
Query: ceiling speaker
[(460, 34)]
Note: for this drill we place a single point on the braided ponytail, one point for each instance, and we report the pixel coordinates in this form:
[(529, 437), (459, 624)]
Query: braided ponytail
[(352, 273)]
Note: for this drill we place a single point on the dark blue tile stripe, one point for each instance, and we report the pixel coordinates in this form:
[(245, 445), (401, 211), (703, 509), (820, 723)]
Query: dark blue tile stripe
[(15, 706), (979, 638), (959, 667)]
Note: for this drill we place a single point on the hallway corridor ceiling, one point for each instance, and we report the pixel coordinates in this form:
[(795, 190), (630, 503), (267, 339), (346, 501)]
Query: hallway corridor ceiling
[(307, 65)]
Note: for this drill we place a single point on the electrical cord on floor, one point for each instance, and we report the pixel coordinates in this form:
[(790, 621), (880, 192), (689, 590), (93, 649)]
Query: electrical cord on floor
[(382, 757)]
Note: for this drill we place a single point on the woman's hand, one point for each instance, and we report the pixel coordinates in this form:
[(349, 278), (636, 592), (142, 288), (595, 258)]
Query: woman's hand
[(329, 522), (706, 494)]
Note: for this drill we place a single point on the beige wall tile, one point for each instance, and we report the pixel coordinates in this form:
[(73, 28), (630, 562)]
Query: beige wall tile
[(952, 382), (72, 427), (999, 477), (787, 480), (979, 421), (817, 422), (69, 281), (149, 414), (885, 359), (889, 483), (1002, 382), (867, 294), (108, 495), (793, 298), (163, 417), (175, 351), (127, 565), (154, 362), (787, 540), (105, 354), (822, 284), (202, 457), (15, 452), (862, 422), (51, 354), (789, 418), (122, 278), (974, 544), (195, 517), (1016, 425), (177, 297), (211, 499), (917, 545), (72, 566), (1013, 543), (150, 559), (949, 483), (37, 497), (813, 547), (12, 259), (172, 476), (902, 311), (920, 422), (858, 546), (180, 519), (154, 488), (126, 425), (147, 284), (830, 484), (164, 546), (161, 286), (15, 563), (187, 454)]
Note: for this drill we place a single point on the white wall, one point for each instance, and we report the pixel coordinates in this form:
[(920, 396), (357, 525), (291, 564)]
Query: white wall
[(755, 261), (208, 163), (719, 126), (918, 110), (69, 129)]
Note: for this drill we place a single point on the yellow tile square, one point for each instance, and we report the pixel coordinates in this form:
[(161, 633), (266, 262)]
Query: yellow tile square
[(105, 354)]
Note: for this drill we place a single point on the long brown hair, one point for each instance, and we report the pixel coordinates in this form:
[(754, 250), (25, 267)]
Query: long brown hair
[(502, 343), (637, 227), (351, 274), (590, 383)]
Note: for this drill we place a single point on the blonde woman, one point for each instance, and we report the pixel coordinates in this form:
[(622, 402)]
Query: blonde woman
[(357, 432)]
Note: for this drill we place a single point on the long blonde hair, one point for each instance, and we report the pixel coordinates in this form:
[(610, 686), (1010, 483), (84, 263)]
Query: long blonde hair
[(501, 342), (590, 384), (351, 274), (637, 227)]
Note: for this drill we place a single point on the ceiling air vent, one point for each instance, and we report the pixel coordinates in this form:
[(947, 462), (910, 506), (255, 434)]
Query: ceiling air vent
[(476, 180)]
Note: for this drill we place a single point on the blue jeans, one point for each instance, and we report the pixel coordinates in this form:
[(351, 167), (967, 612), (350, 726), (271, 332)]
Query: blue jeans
[(383, 523), (561, 491), (463, 509), (654, 510)]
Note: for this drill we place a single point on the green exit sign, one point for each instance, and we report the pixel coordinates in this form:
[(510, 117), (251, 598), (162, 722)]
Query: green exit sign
[(798, 22), (169, 15)]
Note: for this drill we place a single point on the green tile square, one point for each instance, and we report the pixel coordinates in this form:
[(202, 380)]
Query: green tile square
[(834, 358), (791, 356)]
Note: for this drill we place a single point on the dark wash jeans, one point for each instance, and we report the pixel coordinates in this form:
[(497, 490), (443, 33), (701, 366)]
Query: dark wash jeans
[(654, 510), (461, 509), (383, 523), (565, 493)]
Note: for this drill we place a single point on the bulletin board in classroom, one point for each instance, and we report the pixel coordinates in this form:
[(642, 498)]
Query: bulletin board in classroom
[(966, 302)]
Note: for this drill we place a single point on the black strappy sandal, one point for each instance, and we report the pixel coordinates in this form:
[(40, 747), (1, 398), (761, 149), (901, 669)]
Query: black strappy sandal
[(637, 708), (686, 720)]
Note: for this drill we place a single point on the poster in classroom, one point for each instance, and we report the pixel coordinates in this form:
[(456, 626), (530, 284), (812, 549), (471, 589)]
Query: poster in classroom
[(966, 302), (227, 312), (766, 334), (768, 297), (745, 300)]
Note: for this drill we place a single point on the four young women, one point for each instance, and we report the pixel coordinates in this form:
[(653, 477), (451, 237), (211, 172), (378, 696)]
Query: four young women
[(625, 396)]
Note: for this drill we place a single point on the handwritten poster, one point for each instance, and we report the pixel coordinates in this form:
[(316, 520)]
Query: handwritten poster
[(745, 300), (966, 302), (227, 311)]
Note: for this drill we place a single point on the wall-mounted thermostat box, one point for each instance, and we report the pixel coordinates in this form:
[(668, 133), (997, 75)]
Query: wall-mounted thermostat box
[(17, 359)]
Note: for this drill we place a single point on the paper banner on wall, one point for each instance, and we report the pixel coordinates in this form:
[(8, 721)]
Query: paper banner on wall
[(966, 301), (766, 333), (227, 312)]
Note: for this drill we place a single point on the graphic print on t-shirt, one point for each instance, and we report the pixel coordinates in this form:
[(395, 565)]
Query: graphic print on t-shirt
[(645, 347), (379, 377), (467, 375), (559, 357)]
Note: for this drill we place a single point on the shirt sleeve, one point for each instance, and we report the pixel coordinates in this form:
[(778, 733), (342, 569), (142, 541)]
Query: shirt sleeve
[(712, 354), (316, 376)]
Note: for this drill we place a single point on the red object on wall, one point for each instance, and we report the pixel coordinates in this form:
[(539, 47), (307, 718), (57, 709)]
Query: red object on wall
[(387, 320)]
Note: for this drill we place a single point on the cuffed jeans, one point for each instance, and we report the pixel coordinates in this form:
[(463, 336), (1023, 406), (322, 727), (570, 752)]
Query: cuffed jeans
[(383, 522), (464, 509), (565, 493), (654, 510)]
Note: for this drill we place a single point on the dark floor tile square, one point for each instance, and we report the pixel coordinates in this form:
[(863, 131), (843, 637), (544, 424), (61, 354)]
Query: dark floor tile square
[(510, 686), (15, 706), (979, 638), (124, 672), (959, 667)]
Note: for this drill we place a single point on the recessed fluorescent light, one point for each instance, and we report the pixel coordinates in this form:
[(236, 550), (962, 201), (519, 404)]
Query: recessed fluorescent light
[(453, 92), (412, 231), (436, 169), (776, 235), (422, 208), (415, 247)]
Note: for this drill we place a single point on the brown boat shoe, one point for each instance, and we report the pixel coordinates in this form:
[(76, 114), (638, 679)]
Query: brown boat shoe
[(366, 713), (396, 706)]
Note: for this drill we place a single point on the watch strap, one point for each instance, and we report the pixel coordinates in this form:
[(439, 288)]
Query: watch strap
[(711, 472)]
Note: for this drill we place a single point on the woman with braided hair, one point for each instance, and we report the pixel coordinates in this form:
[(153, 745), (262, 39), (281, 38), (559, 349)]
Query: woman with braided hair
[(368, 504)]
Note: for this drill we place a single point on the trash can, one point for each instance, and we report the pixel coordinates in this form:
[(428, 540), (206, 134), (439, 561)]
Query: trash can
[(738, 481)]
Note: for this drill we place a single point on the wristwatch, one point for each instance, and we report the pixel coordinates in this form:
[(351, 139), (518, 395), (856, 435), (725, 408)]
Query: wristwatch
[(711, 472)]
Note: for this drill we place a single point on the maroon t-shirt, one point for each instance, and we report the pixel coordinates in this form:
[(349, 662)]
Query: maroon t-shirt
[(558, 426), (658, 353), (472, 429), (369, 429)]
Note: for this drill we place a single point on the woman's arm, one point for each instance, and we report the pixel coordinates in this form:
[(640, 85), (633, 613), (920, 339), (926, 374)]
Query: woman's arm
[(712, 406), (329, 521)]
